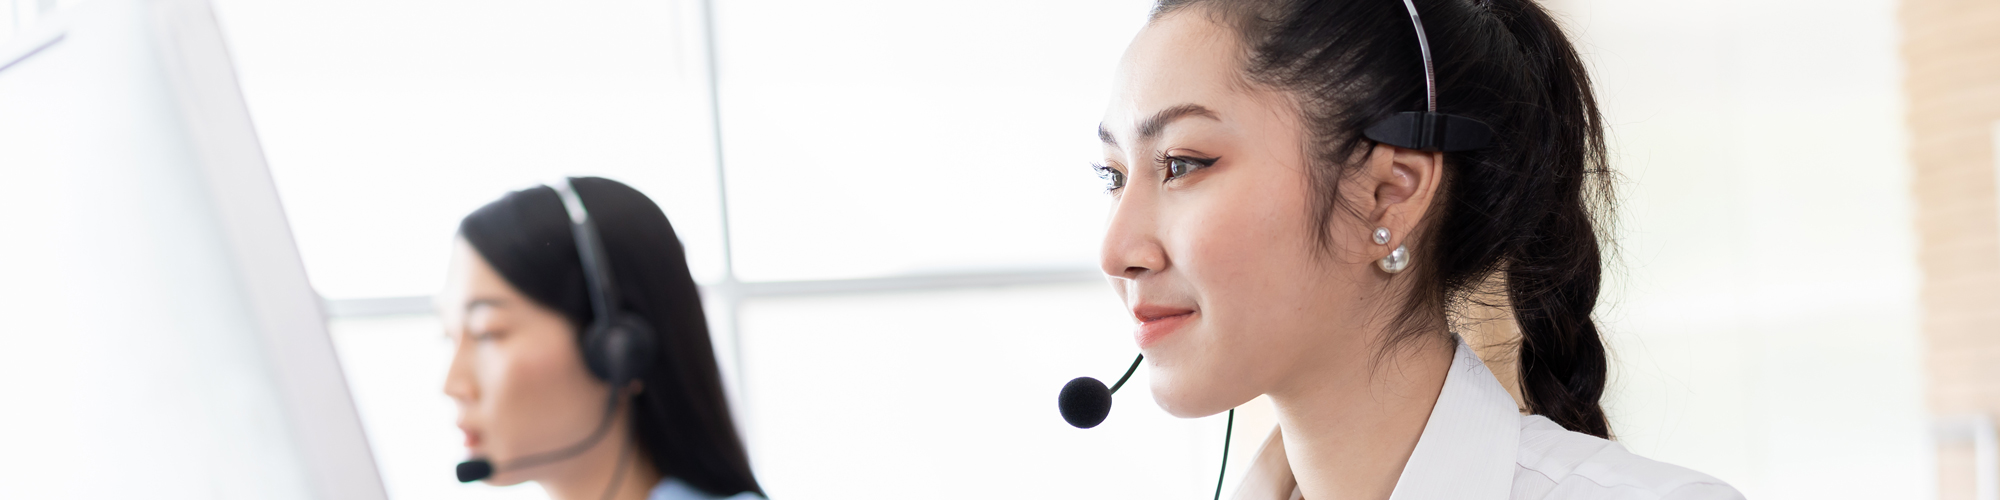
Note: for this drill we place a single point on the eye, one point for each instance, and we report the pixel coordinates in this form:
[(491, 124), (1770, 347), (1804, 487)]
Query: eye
[(485, 336), (1113, 179), (1177, 166)]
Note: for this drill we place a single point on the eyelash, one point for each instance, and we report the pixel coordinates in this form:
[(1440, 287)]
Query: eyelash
[(1165, 163), (1114, 179)]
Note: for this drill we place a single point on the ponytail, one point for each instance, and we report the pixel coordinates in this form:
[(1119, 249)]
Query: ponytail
[(1526, 208), (1554, 275), (1562, 364)]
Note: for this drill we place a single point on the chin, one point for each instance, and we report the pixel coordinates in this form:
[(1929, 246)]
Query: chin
[(1184, 398), (503, 480), (1191, 375)]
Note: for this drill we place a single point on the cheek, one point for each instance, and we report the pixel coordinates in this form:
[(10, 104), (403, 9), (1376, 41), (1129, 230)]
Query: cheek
[(1266, 296), (506, 372), (524, 385), (1250, 256)]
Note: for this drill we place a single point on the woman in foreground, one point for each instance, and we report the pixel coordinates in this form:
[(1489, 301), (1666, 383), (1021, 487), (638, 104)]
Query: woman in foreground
[(1276, 231)]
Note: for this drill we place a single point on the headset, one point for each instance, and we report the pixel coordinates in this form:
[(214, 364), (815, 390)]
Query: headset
[(618, 347), (1429, 130), (1084, 401)]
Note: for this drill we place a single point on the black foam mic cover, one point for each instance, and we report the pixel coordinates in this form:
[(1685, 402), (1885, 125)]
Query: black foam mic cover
[(1084, 402), (474, 470)]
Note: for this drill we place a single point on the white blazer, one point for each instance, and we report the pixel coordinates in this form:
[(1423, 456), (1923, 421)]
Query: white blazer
[(1478, 446)]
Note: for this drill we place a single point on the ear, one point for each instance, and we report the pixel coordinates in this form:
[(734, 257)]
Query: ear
[(1402, 183)]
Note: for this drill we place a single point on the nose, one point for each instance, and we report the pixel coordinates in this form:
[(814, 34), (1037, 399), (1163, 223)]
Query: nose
[(458, 380), (1131, 243)]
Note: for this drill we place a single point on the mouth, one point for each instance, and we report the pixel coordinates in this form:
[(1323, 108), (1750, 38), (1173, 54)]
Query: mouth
[(471, 440), (1156, 322)]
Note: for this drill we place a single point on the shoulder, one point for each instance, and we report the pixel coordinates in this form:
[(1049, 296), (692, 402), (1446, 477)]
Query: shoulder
[(673, 489), (1556, 464)]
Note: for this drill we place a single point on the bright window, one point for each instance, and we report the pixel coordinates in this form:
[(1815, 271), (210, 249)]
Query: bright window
[(387, 121), (910, 136)]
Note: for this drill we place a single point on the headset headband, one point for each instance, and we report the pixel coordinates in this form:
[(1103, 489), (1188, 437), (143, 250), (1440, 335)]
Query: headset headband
[(589, 249), (1424, 45), (1429, 130)]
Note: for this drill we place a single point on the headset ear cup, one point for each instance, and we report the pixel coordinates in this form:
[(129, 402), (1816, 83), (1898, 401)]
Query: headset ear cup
[(595, 351), (621, 350), (640, 350)]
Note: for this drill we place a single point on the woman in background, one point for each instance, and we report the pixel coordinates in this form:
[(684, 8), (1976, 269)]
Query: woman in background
[(517, 305), (1269, 243)]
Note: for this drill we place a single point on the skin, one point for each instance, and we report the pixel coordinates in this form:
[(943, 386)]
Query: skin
[(522, 388), (1220, 266)]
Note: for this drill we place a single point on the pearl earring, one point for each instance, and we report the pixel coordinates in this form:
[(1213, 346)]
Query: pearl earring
[(1381, 236), (1397, 261)]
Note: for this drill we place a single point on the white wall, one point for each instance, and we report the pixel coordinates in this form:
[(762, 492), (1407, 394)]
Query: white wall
[(1764, 320)]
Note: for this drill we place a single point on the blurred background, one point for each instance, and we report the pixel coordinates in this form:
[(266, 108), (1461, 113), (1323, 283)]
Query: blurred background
[(889, 206)]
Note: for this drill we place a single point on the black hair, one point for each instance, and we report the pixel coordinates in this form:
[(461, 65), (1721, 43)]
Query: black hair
[(681, 417), (1527, 208)]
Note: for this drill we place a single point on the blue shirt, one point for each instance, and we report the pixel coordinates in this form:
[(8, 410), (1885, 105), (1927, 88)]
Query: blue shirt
[(674, 489)]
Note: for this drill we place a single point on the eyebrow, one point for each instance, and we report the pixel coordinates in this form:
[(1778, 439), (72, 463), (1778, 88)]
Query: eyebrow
[(1158, 122)]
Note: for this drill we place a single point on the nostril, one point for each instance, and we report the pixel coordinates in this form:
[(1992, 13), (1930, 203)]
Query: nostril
[(1134, 271)]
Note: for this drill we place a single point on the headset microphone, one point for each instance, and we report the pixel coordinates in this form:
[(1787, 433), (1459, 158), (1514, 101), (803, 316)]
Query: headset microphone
[(474, 470), (480, 468), (1085, 402)]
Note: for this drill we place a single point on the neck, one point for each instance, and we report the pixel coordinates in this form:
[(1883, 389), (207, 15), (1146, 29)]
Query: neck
[(1349, 427), (590, 476)]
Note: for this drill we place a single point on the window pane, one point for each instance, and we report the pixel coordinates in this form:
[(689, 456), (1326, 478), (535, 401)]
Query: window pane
[(387, 121), (952, 394), (899, 136)]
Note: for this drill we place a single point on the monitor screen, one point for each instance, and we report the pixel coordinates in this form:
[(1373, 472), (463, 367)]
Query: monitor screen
[(158, 338)]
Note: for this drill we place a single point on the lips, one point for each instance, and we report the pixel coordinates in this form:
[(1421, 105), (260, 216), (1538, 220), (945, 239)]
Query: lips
[(471, 439), (1156, 322)]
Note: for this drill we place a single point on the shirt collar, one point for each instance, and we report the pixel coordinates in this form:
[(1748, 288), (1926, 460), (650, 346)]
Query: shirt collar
[(1468, 446), (672, 488)]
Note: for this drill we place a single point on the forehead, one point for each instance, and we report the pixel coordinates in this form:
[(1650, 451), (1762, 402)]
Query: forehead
[(473, 283), (1184, 57)]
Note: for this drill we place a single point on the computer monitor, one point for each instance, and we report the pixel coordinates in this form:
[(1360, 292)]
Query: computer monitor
[(158, 338)]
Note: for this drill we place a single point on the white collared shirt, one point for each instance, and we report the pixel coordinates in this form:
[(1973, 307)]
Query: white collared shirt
[(1477, 446)]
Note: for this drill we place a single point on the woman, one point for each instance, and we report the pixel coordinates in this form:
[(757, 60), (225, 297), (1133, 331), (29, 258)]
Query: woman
[(519, 307), (1268, 246)]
